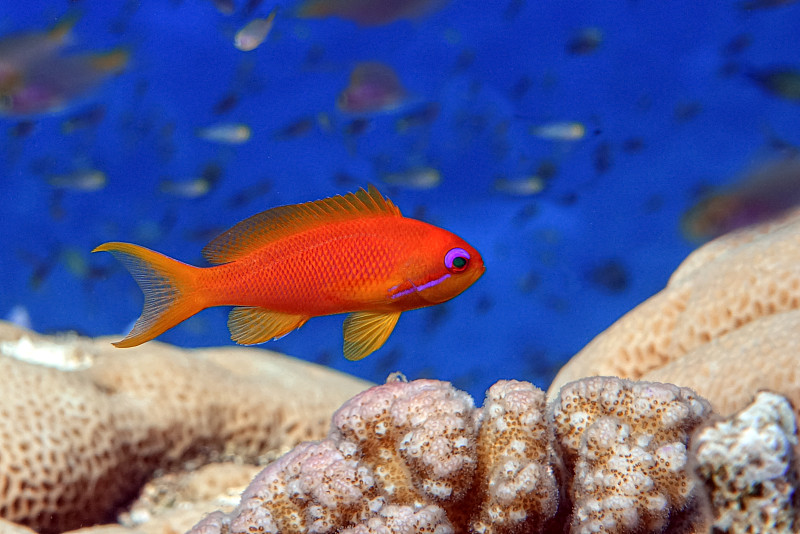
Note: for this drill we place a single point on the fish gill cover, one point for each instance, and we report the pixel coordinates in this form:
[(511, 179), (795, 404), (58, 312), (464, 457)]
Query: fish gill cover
[(565, 140)]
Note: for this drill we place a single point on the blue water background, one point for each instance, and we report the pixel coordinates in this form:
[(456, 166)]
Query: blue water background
[(496, 68)]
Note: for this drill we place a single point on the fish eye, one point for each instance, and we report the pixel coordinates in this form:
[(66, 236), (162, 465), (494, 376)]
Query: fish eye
[(456, 260)]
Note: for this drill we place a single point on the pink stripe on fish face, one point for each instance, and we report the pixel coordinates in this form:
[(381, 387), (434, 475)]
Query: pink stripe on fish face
[(416, 288)]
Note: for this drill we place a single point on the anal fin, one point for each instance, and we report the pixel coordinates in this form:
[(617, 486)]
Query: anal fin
[(366, 332), (250, 325)]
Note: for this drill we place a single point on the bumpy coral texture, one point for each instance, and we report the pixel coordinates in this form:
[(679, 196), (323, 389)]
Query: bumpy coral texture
[(74, 445), (748, 280), (514, 460), (417, 457), (624, 449), (408, 458), (748, 466)]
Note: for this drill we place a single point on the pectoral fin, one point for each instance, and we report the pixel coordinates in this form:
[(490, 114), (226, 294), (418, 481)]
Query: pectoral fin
[(366, 332), (250, 325)]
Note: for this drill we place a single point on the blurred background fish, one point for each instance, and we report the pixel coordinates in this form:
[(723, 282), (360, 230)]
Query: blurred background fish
[(227, 133), (783, 82), (763, 194), (193, 188), (36, 78), (20, 49), (254, 32), (86, 119), (83, 180), (416, 178), (520, 187), (370, 12), (560, 131), (374, 87), (750, 5), (585, 41), (53, 84)]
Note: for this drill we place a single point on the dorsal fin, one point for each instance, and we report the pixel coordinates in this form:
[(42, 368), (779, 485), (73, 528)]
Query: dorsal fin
[(276, 223)]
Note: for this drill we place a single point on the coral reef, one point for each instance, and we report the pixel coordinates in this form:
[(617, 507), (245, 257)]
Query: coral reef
[(607, 456), (419, 457), (749, 468), (75, 444), (624, 448), (405, 457), (730, 308)]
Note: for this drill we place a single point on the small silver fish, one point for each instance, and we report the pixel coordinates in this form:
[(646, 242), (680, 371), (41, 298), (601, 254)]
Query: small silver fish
[(523, 187), (417, 178), (226, 133), (560, 131), (192, 188), (254, 33), (84, 180)]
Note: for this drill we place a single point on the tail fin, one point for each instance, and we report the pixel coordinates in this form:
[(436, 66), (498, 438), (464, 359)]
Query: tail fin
[(168, 286)]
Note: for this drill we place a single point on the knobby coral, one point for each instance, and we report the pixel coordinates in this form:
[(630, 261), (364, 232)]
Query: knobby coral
[(749, 468), (75, 444), (610, 456), (624, 447), (731, 308)]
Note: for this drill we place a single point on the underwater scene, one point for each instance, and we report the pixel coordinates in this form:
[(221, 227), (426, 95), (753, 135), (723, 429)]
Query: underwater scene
[(580, 150)]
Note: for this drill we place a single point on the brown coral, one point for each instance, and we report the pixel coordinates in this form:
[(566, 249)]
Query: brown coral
[(76, 444), (418, 457), (743, 280)]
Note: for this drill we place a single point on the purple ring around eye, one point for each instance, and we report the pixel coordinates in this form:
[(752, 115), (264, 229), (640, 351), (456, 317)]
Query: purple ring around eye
[(452, 254)]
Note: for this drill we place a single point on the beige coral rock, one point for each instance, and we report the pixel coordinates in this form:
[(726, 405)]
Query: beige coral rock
[(623, 445), (113, 420), (7, 527), (748, 466), (172, 503), (746, 281), (730, 369)]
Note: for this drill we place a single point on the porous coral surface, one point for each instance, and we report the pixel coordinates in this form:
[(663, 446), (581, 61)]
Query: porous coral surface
[(75, 444), (624, 449), (403, 458), (729, 309), (749, 467), (419, 457), (730, 369)]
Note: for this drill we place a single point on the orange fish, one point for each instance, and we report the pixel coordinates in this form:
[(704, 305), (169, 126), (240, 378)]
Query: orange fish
[(345, 254)]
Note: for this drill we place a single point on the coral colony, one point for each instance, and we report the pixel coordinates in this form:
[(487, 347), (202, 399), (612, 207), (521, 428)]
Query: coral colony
[(83, 427)]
